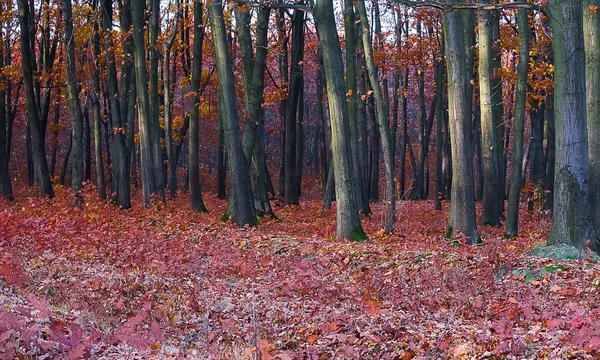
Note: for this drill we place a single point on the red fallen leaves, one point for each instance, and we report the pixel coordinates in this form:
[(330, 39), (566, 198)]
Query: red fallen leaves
[(174, 279)]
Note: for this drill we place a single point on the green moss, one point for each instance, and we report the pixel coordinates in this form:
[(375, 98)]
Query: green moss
[(448, 233), (358, 235)]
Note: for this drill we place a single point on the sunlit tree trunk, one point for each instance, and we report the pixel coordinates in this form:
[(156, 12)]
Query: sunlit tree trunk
[(571, 221), (512, 220)]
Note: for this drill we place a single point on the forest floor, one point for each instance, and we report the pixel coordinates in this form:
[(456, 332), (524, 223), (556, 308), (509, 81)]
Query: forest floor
[(168, 283)]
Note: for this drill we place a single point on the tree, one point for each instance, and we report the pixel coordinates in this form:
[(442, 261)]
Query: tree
[(172, 162), (348, 219), (196, 201), (383, 118), (591, 23), (149, 170), (512, 220), (291, 195), (75, 105), (462, 207), (489, 143), (571, 221), (240, 206), (33, 117)]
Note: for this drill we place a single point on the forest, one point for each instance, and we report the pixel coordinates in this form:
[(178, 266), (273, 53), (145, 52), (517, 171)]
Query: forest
[(306, 179)]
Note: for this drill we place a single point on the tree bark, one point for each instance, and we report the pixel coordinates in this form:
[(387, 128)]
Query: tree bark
[(512, 220), (571, 221), (462, 207), (491, 212), (348, 219), (196, 201), (591, 23), (33, 118), (383, 119), (240, 207)]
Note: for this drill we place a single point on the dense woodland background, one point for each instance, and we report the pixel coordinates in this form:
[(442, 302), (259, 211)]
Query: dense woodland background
[(425, 124)]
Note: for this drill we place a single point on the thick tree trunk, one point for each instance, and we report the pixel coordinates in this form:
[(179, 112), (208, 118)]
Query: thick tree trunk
[(571, 221), (348, 219), (512, 220), (196, 201), (489, 143), (462, 207), (241, 206)]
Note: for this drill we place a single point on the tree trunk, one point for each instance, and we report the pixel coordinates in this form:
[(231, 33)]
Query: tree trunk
[(571, 221), (383, 119), (221, 162), (121, 156), (196, 201), (591, 23), (514, 193), (489, 143), (348, 219), (351, 103), (296, 82), (240, 206), (439, 138), (33, 118), (154, 129), (172, 162), (462, 207), (147, 164)]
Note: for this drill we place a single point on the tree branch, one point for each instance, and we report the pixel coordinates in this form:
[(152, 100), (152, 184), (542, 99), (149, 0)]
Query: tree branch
[(475, 6)]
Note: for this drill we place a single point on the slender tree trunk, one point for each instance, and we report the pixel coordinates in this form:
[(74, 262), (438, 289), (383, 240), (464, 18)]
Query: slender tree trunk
[(351, 103), (439, 138), (571, 221), (512, 220), (96, 113), (154, 129), (284, 81), (5, 184), (296, 83), (418, 188), (498, 110), (383, 119), (65, 163), (196, 201), (241, 206), (33, 119), (172, 162), (76, 113), (348, 219), (221, 162), (462, 207), (591, 23), (148, 171), (121, 165)]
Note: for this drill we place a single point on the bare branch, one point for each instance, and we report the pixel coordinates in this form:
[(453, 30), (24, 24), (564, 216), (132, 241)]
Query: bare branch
[(475, 6)]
